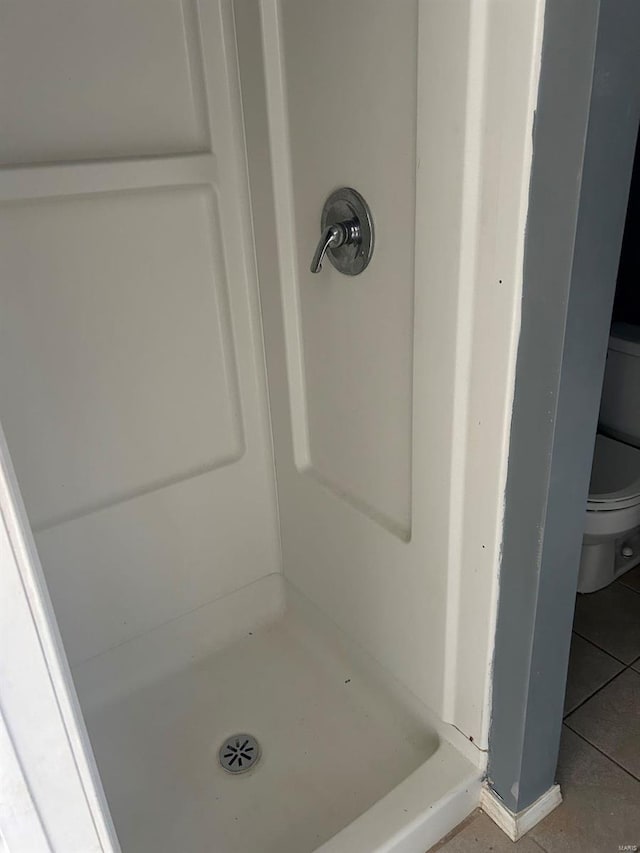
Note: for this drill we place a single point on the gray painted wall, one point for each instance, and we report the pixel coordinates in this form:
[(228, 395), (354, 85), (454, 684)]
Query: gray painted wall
[(584, 138)]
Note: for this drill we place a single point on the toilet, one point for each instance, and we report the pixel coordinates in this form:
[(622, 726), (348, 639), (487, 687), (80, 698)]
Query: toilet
[(611, 543)]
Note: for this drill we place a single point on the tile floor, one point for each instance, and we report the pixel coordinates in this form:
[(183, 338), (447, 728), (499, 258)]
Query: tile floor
[(599, 763)]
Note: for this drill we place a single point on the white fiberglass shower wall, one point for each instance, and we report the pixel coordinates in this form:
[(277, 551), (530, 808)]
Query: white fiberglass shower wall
[(267, 501), (390, 391)]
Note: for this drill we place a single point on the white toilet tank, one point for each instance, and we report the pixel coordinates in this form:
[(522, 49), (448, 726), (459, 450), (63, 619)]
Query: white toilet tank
[(620, 404)]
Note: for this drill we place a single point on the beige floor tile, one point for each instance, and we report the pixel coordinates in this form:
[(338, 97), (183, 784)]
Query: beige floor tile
[(481, 835), (601, 808), (610, 618), (589, 669), (631, 578), (636, 665), (610, 720)]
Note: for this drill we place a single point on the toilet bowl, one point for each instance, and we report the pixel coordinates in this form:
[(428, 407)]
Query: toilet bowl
[(611, 543)]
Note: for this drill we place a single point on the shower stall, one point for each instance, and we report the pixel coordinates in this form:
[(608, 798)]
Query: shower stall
[(256, 511)]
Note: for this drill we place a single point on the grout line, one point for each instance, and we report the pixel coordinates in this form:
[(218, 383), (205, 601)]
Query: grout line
[(535, 840), (626, 585), (597, 749), (469, 819), (582, 637), (597, 690)]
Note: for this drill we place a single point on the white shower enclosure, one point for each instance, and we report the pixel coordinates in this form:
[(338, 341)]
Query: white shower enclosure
[(239, 497)]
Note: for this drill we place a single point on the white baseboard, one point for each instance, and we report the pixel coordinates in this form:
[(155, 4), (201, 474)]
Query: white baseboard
[(516, 825)]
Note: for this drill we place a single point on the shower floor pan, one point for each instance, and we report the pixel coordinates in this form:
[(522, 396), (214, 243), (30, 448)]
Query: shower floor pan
[(347, 764)]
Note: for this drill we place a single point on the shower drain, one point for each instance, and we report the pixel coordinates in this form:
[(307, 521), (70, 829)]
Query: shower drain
[(239, 753)]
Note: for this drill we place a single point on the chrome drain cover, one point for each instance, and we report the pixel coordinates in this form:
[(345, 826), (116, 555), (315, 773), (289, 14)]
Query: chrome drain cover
[(239, 753)]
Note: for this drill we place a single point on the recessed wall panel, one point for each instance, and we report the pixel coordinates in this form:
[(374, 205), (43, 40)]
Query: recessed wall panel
[(350, 120), (88, 79), (117, 371)]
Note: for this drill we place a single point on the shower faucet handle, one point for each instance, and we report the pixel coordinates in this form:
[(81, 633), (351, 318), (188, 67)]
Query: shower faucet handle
[(347, 233), (333, 237)]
